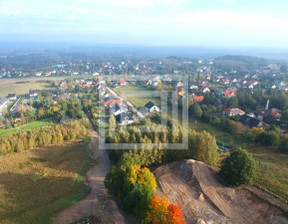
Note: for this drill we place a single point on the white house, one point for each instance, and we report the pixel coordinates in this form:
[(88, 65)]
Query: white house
[(151, 107), (194, 87)]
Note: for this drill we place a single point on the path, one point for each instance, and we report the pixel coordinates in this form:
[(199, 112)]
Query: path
[(98, 203)]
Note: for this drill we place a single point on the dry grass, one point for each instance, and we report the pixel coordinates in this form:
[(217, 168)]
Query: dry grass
[(21, 88), (36, 185)]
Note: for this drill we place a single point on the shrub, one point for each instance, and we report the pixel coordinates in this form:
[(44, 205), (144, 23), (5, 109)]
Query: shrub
[(239, 168)]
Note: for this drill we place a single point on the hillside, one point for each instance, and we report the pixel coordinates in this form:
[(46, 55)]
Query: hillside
[(241, 60), (196, 188)]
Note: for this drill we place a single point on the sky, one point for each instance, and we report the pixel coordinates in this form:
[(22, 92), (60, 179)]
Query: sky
[(221, 23)]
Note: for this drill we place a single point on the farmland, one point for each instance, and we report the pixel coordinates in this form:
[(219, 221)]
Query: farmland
[(22, 88), (36, 185)]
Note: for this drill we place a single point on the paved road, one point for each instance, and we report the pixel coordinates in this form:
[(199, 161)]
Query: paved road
[(98, 203)]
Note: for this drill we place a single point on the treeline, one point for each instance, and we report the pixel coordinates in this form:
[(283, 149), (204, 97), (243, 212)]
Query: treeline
[(52, 134), (201, 145), (135, 186), (90, 103)]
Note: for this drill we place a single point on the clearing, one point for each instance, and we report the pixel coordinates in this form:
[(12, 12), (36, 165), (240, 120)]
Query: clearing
[(196, 188), (36, 184), (130, 93)]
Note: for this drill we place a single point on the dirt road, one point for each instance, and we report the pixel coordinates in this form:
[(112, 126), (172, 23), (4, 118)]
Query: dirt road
[(203, 199), (98, 203)]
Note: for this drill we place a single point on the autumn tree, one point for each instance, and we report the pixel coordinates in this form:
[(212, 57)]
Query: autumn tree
[(162, 212)]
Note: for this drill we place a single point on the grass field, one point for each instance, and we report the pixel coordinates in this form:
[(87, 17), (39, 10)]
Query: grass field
[(137, 99), (30, 126), (36, 185), (272, 173), (21, 88), (220, 135)]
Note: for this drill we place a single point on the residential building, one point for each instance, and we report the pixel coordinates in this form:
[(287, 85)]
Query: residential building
[(151, 107), (233, 111)]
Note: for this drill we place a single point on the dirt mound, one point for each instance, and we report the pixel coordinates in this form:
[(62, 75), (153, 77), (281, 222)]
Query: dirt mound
[(196, 188)]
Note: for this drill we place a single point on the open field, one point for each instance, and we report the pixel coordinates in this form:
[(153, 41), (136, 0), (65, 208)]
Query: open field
[(30, 126), (137, 99), (272, 171), (36, 185), (220, 135), (21, 88)]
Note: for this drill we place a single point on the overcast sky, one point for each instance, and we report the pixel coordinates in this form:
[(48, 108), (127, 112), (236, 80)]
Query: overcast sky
[(247, 23)]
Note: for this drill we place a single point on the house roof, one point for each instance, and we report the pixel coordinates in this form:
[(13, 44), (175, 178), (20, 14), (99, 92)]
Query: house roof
[(250, 121), (203, 88), (229, 92), (233, 111), (122, 80), (198, 99), (149, 105)]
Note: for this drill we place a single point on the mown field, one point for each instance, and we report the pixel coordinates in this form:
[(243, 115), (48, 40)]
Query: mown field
[(272, 167), (22, 88), (36, 185), (136, 98), (30, 126)]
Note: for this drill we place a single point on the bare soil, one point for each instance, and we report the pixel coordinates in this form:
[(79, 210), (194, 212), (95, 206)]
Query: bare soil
[(204, 199), (98, 204)]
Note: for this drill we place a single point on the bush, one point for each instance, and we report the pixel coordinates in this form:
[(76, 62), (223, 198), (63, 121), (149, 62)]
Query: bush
[(283, 146), (239, 168)]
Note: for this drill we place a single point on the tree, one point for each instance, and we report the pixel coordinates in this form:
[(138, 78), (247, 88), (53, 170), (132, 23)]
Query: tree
[(139, 188), (8, 124), (283, 146), (196, 110), (162, 212), (233, 102), (112, 124), (239, 168)]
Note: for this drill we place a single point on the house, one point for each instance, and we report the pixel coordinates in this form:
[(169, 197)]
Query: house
[(251, 121), (63, 86), (48, 73), (124, 118), (275, 113), (116, 109), (111, 102), (79, 80), (123, 82), (204, 89), (89, 82), (198, 99), (33, 93), (225, 81), (194, 87), (229, 93), (179, 84), (233, 111), (3, 104), (16, 120), (151, 107), (11, 96), (38, 74)]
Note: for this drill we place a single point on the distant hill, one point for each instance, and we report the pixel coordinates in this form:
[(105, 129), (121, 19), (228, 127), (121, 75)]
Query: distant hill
[(239, 59)]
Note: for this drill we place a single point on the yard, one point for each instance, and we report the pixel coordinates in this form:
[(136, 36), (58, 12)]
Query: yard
[(130, 93), (30, 126), (36, 185)]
